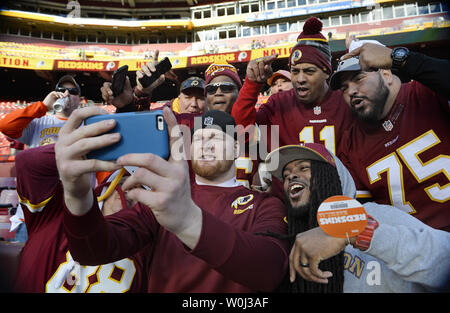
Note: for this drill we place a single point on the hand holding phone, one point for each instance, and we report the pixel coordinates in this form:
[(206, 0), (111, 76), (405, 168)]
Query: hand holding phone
[(161, 68), (118, 80), (141, 132)]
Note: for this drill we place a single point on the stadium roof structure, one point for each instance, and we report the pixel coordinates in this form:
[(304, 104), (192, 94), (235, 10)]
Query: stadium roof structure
[(126, 4), (146, 3)]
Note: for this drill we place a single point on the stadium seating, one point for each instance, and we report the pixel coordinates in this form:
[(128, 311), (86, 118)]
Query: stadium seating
[(100, 52), (5, 108), (5, 224)]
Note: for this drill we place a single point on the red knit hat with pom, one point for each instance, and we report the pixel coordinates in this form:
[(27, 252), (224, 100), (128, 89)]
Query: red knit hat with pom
[(312, 47)]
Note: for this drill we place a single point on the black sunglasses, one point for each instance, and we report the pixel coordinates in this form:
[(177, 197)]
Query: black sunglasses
[(226, 87), (72, 91)]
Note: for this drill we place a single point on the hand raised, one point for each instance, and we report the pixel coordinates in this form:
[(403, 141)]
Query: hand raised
[(371, 57), (170, 195), (74, 142), (147, 70), (121, 100), (260, 70)]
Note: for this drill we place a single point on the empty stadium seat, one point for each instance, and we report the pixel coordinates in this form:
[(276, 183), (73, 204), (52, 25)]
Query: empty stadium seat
[(5, 225), (7, 183), (9, 198)]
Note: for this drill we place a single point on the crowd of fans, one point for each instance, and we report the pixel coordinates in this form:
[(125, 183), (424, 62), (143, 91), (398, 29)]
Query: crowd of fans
[(219, 219)]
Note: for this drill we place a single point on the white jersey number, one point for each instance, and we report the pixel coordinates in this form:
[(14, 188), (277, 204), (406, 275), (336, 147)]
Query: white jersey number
[(114, 277), (245, 164), (326, 135), (409, 153)]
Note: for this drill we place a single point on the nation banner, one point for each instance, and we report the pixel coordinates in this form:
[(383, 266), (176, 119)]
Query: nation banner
[(26, 63), (231, 57), (283, 51), (81, 65)]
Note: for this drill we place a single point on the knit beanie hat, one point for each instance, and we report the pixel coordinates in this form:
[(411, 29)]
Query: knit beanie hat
[(312, 47), (229, 70), (216, 119)]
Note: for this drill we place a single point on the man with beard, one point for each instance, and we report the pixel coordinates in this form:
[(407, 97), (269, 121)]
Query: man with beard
[(201, 231), (398, 149), (221, 91), (395, 252)]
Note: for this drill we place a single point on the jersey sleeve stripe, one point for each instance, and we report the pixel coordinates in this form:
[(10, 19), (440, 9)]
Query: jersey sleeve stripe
[(34, 208), (363, 194)]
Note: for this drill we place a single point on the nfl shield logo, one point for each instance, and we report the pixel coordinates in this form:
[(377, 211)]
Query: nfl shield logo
[(317, 110), (387, 125), (208, 121)]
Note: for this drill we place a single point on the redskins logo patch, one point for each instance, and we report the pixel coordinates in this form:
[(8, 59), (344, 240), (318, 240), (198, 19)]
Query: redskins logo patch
[(296, 55), (240, 202)]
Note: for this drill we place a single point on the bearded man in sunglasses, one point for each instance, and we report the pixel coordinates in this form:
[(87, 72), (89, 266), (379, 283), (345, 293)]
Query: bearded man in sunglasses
[(32, 126)]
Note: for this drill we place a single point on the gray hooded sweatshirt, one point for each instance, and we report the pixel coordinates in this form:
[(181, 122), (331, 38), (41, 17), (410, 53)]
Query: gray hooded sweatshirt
[(405, 255)]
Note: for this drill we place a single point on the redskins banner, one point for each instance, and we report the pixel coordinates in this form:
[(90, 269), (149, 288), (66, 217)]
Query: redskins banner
[(78, 65), (26, 63), (232, 57)]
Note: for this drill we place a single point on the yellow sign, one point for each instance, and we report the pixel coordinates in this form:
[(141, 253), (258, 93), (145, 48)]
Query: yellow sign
[(26, 63), (283, 51), (136, 64)]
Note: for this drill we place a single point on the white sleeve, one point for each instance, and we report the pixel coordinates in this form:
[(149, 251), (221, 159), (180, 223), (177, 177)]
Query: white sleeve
[(412, 249)]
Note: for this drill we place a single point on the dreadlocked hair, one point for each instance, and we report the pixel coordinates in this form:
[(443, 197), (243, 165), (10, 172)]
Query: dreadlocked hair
[(325, 183)]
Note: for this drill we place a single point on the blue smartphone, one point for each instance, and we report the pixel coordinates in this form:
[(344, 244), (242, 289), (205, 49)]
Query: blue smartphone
[(142, 132)]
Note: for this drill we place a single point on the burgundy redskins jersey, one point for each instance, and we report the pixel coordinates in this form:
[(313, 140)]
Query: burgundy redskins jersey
[(46, 264), (404, 160), (230, 256), (247, 163), (298, 123), (302, 123)]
